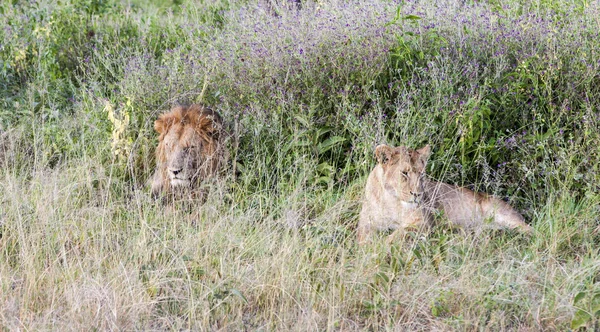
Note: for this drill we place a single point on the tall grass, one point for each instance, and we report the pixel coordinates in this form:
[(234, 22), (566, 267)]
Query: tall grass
[(507, 93)]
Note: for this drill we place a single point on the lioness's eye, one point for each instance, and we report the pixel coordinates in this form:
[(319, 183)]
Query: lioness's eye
[(405, 174)]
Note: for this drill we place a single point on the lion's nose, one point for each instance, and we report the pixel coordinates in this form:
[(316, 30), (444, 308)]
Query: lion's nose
[(175, 171)]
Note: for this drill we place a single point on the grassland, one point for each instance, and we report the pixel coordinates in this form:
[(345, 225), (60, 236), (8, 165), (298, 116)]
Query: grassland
[(507, 93)]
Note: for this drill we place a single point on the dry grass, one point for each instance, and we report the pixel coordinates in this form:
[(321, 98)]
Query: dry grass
[(80, 251)]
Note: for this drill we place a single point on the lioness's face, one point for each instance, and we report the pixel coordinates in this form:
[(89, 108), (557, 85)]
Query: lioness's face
[(187, 154), (403, 171)]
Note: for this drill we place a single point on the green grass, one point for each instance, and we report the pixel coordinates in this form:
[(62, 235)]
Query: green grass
[(506, 93)]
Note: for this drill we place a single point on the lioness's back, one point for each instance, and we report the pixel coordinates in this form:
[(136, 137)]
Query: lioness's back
[(466, 208)]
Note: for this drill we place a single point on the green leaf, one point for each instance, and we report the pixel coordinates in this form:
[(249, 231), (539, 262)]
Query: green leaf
[(396, 17), (323, 130), (303, 121), (301, 143), (417, 253), (580, 296), (382, 277), (369, 306), (197, 272), (329, 143), (325, 169), (411, 17), (323, 179), (580, 319), (238, 294), (240, 167), (596, 304)]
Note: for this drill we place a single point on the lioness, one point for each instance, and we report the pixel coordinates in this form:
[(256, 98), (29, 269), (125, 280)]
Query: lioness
[(190, 148), (399, 196)]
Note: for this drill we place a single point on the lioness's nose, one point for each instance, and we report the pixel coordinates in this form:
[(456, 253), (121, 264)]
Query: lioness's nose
[(416, 197), (175, 171)]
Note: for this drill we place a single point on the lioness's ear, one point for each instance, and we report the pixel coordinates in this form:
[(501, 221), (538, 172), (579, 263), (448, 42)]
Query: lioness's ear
[(383, 154), (424, 153)]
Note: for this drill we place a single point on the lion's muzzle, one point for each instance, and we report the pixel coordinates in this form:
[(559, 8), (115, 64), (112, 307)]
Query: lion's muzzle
[(177, 177)]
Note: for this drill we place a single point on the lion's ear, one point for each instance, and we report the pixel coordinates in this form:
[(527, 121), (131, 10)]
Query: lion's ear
[(206, 126), (383, 154), (163, 124)]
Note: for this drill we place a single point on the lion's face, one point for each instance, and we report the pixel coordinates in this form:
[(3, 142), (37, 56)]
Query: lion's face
[(403, 171), (187, 154), (189, 147)]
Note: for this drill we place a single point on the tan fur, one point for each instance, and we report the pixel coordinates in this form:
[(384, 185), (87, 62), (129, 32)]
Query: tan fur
[(399, 196), (190, 148)]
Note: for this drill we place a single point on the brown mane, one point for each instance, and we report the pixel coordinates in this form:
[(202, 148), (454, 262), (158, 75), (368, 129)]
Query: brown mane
[(207, 124)]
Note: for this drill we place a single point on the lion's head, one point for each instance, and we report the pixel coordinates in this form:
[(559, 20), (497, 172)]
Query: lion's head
[(190, 147), (403, 171)]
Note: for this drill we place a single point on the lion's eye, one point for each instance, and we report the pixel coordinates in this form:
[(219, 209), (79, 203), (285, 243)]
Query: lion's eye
[(405, 174)]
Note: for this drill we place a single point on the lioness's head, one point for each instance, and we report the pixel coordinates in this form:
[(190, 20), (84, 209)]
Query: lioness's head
[(403, 171), (189, 147)]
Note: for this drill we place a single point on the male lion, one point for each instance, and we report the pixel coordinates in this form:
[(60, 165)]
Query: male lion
[(190, 148), (399, 196)]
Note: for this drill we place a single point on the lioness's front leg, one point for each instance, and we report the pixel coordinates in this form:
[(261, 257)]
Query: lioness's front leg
[(397, 234), (362, 233)]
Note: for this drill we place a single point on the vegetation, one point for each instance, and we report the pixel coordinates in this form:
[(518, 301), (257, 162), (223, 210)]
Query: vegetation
[(506, 92)]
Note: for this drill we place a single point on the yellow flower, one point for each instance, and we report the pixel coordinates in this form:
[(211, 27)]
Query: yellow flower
[(120, 143), (20, 55)]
